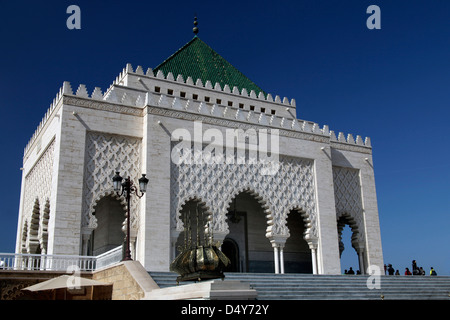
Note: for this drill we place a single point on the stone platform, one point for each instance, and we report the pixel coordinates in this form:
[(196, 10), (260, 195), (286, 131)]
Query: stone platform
[(205, 290)]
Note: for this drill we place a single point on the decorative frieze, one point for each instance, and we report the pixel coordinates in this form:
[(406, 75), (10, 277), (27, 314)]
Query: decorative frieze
[(216, 185), (348, 199), (104, 155), (102, 105), (37, 192)]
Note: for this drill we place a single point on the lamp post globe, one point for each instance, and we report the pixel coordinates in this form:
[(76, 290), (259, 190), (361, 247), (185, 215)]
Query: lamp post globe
[(117, 182), (143, 181)]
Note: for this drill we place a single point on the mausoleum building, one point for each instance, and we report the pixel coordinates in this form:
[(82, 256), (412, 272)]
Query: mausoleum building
[(274, 192)]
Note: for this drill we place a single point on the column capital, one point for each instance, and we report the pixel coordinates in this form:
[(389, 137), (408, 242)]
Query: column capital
[(359, 246), (278, 241), (312, 243), (86, 232)]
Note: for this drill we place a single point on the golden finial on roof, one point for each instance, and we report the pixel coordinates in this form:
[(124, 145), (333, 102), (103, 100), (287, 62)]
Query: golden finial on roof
[(195, 29)]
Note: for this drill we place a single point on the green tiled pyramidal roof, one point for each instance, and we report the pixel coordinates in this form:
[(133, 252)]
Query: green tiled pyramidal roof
[(199, 61)]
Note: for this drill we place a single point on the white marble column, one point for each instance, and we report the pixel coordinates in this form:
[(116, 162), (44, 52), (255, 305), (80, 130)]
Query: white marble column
[(276, 261), (313, 246), (314, 260), (362, 267), (85, 237), (278, 245), (281, 259)]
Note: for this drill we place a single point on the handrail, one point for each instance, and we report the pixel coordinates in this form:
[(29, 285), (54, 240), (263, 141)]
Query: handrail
[(109, 257), (56, 262)]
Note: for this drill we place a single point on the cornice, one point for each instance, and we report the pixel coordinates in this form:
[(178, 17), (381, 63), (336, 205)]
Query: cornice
[(232, 123), (103, 105)]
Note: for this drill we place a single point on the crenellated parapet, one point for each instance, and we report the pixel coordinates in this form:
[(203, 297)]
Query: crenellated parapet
[(65, 89), (121, 79), (349, 139), (135, 90)]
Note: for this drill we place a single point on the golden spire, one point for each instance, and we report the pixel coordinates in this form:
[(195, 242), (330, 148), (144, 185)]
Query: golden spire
[(195, 29)]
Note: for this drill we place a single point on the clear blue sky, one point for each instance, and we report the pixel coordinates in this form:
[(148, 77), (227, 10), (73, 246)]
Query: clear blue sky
[(391, 84)]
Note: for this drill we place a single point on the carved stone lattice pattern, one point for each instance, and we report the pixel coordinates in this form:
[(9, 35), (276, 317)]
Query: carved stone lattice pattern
[(347, 194), (105, 154), (216, 185), (38, 183), (11, 289)]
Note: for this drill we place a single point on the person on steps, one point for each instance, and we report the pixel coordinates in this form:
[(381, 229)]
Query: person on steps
[(415, 270), (390, 270), (433, 272)]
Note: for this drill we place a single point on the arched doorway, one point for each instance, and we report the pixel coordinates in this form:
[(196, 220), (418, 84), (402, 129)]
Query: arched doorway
[(247, 224), (297, 254), (231, 249), (348, 235), (110, 216)]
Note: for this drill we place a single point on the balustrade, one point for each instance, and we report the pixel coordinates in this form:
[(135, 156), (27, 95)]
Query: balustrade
[(23, 261)]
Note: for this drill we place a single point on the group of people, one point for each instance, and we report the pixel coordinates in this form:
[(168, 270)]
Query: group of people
[(416, 271), (351, 271), (389, 270)]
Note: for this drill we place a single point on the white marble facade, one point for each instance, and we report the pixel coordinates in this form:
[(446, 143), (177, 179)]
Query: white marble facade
[(83, 139)]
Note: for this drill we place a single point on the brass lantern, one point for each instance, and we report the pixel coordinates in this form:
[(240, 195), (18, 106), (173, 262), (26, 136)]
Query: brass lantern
[(199, 259)]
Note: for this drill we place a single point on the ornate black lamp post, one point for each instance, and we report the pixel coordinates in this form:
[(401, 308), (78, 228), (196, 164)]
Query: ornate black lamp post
[(127, 188)]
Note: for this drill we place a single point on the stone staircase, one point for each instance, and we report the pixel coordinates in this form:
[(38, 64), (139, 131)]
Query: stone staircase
[(292, 286)]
